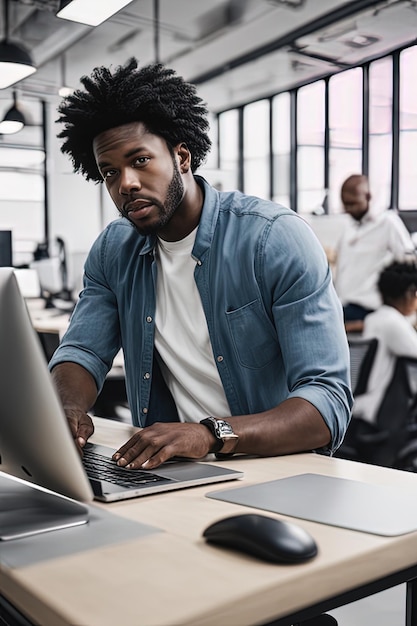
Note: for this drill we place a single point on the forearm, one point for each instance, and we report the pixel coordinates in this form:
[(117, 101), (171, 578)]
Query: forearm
[(293, 426), (75, 385)]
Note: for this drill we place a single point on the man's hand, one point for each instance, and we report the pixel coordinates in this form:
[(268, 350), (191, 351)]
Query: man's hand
[(78, 392), (156, 444), (81, 426)]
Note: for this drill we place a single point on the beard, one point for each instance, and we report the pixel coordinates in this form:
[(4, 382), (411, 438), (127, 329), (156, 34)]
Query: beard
[(166, 210)]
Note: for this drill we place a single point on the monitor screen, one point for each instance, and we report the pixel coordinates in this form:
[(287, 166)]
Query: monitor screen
[(6, 256)]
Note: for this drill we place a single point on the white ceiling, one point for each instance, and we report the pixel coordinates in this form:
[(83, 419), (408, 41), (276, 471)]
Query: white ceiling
[(205, 41)]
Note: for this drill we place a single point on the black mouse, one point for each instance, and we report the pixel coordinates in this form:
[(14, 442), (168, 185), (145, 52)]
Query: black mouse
[(267, 538)]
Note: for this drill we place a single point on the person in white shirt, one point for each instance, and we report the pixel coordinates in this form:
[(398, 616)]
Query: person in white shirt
[(371, 241), (392, 325)]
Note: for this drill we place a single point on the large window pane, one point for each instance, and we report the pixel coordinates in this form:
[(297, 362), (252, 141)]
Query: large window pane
[(345, 133), (281, 148), (380, 131), (229, 146), (22, 204), (310, 140), (408, 130), (256, 131)]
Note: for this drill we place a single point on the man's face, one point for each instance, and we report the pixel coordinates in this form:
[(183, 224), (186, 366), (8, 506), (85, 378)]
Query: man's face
[(355, 199), (141, 175)]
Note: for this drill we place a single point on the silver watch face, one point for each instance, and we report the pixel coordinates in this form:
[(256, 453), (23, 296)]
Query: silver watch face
[(224, 430)]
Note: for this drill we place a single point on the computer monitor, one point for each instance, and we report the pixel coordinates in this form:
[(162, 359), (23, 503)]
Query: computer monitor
[(35, 440), (6, 250)]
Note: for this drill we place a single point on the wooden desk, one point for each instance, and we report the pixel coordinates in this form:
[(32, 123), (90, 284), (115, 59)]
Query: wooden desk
[(174, 577)]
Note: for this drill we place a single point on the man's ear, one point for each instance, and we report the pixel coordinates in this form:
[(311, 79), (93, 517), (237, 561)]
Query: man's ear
[(184, 156)]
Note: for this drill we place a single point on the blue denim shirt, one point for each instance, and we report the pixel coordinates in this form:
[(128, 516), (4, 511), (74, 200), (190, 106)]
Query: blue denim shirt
[(274, 320)]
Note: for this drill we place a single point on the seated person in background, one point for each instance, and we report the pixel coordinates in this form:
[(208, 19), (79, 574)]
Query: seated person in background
[(223, 303), (392, 325), (372, 241)]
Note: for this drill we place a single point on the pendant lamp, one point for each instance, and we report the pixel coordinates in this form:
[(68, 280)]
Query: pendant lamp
[(13, 121), (15, 61)]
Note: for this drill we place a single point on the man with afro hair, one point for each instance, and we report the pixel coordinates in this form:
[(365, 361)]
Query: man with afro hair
[(223, 304)]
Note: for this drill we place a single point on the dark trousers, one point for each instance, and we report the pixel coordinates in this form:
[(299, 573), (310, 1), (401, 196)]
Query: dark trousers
[(353, 312)]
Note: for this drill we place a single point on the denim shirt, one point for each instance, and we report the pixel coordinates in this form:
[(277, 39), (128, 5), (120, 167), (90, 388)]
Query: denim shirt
[(274, 320)]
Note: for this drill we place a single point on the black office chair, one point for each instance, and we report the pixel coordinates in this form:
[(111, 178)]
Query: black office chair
[(362, 354), (391, 441)]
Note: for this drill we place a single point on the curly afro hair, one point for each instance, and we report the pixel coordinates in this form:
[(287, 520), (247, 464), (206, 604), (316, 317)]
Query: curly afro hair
[(396, 279), (153, 95)]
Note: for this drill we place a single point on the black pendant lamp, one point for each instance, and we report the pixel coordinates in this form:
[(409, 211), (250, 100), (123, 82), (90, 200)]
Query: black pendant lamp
[(15, 61), (14, 120)]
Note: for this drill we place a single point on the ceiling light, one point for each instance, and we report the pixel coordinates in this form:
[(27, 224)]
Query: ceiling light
[(15, 61), (91, 12), (13, 121), (64, 90), (361, 41)]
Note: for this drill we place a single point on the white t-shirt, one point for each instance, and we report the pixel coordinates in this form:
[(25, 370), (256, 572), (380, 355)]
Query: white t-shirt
[(396, 337), (181, 335), (364, 249)]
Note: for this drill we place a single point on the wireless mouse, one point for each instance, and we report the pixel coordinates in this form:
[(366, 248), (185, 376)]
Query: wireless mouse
[(264, 537)]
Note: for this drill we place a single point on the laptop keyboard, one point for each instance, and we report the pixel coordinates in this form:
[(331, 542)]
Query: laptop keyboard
[(101, 467)]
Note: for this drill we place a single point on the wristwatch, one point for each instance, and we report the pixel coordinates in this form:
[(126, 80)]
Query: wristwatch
[(226, 439)]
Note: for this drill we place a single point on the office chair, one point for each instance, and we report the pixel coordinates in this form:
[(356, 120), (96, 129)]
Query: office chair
[(391, 441), (362, 354)]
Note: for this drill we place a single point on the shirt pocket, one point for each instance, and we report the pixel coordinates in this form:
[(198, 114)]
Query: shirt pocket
[(253, 335)]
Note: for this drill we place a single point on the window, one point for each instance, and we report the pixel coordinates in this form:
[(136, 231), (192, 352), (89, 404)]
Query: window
[(22, 185), (408, 130), (229, 146), (256, 133), (345, 131), (380, 131), (310, 151), (22, 205), (281, 148)]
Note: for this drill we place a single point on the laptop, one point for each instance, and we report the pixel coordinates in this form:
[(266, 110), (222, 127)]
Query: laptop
[(36, 444)]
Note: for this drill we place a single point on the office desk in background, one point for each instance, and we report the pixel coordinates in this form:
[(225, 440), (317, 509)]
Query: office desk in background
[(55, 322), (174, 577)]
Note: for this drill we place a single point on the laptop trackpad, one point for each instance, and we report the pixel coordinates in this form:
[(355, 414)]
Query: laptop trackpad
[(189, 470)]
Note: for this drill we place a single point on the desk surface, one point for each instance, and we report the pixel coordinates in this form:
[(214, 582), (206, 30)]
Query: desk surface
[(47, 320), (174, 577)]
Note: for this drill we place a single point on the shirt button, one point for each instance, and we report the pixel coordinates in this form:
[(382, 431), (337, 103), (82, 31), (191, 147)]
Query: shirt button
[(198, 262), (145, 410), (147, 375), (220, 358), (149, 319)]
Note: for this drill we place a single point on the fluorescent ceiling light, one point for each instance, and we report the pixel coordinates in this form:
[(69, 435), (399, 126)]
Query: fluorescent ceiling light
[(91, 12)]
